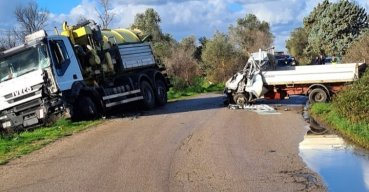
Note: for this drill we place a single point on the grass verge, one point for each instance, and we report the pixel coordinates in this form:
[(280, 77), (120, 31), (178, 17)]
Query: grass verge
[(19, 144), (174, 94), (356, 132)]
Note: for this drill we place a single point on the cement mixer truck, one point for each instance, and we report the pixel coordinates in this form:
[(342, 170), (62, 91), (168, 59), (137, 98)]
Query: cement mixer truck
[(85, 69)]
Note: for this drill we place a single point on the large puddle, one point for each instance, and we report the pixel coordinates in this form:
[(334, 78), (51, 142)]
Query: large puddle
[(342, 166)]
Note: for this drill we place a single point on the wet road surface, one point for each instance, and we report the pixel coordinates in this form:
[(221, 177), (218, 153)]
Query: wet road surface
[(343, 166), (191, 145)]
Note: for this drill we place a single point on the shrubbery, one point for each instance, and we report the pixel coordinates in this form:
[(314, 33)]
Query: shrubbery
[(353, 102), (359, 50), (199, 85)]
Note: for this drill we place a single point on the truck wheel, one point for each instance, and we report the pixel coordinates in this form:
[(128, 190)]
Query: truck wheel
[(229, 99), (148, 95), (318, 95), (240, 99), (161, 93), (84, 109)]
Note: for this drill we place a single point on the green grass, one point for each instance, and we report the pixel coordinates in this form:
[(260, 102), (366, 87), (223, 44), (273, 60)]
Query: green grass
[(197, 86), (19, 144), (357, 132), (203, 87)]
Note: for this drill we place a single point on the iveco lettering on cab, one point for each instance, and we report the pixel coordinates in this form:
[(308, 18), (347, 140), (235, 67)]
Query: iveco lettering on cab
[(22, 91)]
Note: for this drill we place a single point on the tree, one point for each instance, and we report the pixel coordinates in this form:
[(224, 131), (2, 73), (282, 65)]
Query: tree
[(198, 52), (30, 18), (359, 50), (105, 15), (221, 59), (181, 63), (297, 43), (315, 15), (332, 27), (251, 34), (7, 40), (149, 23)]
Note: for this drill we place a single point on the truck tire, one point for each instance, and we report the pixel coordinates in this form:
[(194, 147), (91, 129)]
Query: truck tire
[(148, 95), (240, 99), (229, 99), (161, 93), (84, 109), (318, 95)]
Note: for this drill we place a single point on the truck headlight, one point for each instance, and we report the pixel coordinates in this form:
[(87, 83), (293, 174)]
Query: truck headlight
[(41, 113), (7, 124), (3, 117)]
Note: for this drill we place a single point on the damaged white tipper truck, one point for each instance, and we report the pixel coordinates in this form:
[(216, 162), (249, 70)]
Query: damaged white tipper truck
[(318, 82), (85, 69)]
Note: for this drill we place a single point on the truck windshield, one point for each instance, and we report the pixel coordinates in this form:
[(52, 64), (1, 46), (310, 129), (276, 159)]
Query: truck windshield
[(20, 63)]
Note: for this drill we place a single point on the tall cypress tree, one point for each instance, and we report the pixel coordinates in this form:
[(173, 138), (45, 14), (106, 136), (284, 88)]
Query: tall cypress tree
[(332, 27)]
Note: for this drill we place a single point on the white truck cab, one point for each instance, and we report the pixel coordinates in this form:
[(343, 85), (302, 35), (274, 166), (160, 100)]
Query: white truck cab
[(25, 79)]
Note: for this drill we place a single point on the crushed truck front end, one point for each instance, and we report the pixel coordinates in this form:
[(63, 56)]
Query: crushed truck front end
[(27, 91)]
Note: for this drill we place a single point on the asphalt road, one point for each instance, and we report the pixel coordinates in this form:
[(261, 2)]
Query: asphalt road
[(191, 145)]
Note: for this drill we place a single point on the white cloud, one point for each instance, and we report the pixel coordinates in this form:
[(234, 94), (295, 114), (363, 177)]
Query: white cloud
[(194, 17), (84, 10), (199, 17)]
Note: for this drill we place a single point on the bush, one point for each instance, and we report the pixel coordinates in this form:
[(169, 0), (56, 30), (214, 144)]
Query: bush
[(200, 85), (353, 102), (356, 132), (178, 83), (358, 51), (181, 63)]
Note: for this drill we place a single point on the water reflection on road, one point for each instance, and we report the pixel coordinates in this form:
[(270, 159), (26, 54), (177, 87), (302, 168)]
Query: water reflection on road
[(343, 167)]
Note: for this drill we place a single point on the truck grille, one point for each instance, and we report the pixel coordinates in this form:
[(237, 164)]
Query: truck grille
[(22, 107), (22, 97)]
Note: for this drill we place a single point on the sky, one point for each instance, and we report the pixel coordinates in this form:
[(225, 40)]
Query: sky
[(181, 18)]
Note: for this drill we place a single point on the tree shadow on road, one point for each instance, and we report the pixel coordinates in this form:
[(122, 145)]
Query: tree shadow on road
[(202, 102)]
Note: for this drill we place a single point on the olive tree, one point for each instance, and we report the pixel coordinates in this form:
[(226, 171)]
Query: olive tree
[(221, 58), (31, 18)]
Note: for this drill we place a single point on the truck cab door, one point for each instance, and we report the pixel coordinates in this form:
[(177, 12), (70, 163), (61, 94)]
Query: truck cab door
[(64, 62)]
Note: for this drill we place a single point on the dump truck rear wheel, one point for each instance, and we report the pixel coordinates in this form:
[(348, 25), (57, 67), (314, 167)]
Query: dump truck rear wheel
[(161, 93), (84, 109), (148, 95), (318, 95)]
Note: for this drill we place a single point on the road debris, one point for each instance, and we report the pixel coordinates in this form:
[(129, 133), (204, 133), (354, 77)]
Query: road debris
[(261, 109)]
